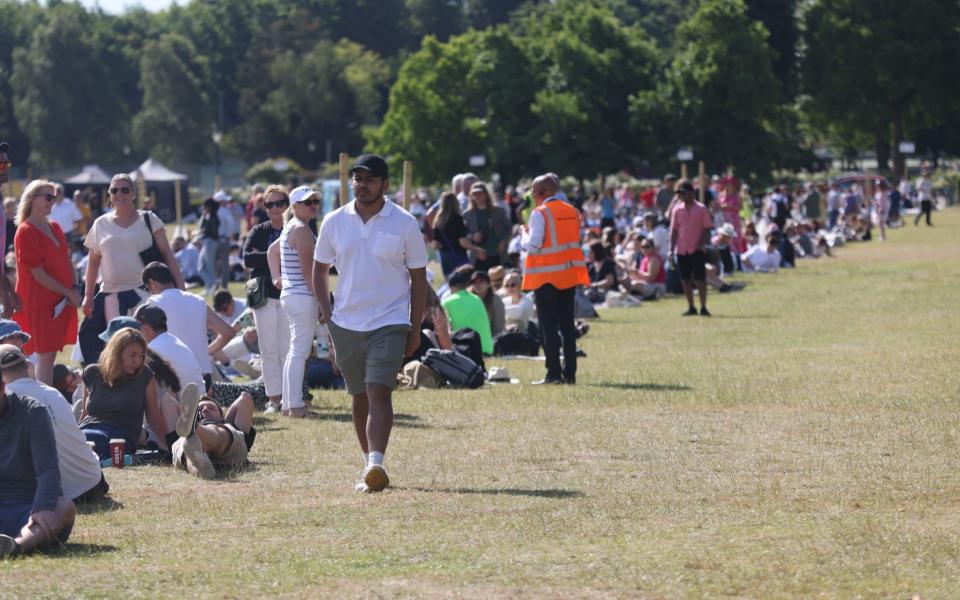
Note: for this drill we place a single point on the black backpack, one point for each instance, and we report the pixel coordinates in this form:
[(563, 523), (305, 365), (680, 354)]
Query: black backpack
[(454, 368), (515, 343)]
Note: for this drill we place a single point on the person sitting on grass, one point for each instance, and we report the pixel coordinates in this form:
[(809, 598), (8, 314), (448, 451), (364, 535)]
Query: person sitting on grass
[(465, 309), (602, 271), (80, 474), (10, 333), (481, 286), (34, 513), (650, 280), (763, 259), (118, 392), (209, 437)]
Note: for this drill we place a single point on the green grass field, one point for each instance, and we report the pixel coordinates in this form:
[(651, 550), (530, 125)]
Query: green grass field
[(803, 442)]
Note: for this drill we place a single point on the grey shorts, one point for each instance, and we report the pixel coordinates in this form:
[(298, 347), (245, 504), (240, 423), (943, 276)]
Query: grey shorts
[(369, 356)]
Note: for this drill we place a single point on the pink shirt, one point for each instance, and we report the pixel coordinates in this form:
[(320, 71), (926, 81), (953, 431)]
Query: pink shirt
[(689, 225)]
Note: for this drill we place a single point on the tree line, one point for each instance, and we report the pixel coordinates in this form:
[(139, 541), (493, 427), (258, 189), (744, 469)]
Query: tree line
[(577, 86)]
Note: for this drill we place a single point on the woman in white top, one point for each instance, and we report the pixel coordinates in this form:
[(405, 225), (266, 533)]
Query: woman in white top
[(296, 294), (115, 241), (518, 308)]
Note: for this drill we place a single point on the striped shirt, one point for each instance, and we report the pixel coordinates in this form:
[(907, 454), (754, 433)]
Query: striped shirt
[(293, 277)]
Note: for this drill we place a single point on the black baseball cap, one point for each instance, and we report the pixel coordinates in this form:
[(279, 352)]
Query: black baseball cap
[(4, 147), (11, 356), (152, 315), (373, 164), (686, 186)]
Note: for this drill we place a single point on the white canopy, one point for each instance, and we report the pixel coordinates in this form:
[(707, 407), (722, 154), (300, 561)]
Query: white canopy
[(89, 175), (155, 172)]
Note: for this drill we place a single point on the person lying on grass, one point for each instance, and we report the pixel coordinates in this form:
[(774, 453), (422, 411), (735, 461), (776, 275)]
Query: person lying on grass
[(34, 513), (209, 437)]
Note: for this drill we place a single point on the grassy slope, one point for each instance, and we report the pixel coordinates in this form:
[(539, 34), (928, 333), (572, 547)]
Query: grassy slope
[(802, 442)]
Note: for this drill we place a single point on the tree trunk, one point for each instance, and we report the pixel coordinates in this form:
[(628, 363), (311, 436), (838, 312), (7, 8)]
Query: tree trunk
[(896, 124), (882, 147)]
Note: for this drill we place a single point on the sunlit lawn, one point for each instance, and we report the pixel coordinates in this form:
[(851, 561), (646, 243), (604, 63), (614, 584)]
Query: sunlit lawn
[(800, 443)]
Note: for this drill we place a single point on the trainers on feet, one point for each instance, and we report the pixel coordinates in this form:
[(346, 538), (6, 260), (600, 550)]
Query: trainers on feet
[(8, 546), (362, 486), (194, 459), (690, 312), (189, 401), (272, 407), (375, 478), (704, 312)]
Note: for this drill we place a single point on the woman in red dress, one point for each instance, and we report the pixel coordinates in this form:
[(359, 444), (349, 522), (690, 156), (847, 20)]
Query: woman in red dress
[(46, 281)]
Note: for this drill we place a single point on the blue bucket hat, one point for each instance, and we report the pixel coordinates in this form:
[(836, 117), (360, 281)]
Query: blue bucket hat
[(116, 324), (9, 327)]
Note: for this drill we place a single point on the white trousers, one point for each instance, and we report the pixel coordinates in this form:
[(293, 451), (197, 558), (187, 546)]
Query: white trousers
[(302, 310), (273, 337)]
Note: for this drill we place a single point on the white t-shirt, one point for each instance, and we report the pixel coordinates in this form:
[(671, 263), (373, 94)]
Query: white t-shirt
[(519, 313), (924, 189), (181, 359), (65, 214), (239, 305), (187, 321), (79, 466), (120, 248), (372, 260), (762, 260)]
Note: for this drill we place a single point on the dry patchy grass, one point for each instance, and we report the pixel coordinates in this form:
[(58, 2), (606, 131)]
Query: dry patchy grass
[(801, 443)]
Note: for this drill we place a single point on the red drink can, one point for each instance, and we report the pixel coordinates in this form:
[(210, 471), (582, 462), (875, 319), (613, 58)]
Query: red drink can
[(117, 448)]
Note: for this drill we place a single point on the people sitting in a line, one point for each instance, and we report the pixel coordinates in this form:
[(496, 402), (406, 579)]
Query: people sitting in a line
[(34, 513), (210, 437), (465, 309), (80, 474)]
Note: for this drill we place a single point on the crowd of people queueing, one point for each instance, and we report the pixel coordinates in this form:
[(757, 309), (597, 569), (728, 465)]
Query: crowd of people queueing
[(156, 358)]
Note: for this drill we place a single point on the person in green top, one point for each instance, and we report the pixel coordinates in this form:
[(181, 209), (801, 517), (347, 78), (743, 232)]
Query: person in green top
[(465, 309)]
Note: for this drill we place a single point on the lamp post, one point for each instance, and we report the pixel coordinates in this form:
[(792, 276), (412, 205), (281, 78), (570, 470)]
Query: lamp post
[(217, 137)]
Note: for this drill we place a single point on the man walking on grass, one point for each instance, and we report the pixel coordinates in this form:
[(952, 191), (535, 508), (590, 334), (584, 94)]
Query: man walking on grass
[(381, 262), (690, 225)]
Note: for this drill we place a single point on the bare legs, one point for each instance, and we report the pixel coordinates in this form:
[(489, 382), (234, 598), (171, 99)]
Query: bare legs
[(373, 417)]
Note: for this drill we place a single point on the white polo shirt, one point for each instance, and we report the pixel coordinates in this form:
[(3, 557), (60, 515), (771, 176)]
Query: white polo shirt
[(66, 214), (187, 321), (79, 466), (171, 349), (372, 261)]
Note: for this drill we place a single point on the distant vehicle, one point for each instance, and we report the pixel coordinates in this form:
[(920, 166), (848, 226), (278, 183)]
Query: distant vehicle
[(845, 182)]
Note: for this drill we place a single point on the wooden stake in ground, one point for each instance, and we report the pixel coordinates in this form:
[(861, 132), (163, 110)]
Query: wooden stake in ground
[(407, 183), (141, 187), (683, 171), (703, 181), (176, 200), (343, 198)]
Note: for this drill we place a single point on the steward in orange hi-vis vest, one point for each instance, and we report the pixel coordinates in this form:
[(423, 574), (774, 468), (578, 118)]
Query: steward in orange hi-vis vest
[(560, 260)]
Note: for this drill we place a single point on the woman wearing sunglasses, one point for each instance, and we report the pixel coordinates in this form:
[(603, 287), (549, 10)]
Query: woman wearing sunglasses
[(115, 242), (273, 327), (46, 282)]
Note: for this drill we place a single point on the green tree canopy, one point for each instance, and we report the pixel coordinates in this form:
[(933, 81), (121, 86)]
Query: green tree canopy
[(177, 118)]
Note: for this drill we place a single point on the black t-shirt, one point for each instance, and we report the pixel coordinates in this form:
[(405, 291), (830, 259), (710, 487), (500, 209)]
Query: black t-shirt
[(449, 235), (607, 267)]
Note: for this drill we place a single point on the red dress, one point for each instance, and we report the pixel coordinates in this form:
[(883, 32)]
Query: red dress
[(34, 249)]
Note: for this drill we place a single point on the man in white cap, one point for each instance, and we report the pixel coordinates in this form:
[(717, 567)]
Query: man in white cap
[(381, 263)]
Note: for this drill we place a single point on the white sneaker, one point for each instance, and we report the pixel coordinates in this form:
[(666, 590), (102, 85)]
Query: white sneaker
[(189, 401), (272, 407), (375, 478), (188, 452), (362, 487)]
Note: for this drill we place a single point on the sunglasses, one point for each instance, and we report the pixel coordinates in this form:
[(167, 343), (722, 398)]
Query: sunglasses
[(510, 285), (5, 164), (276, 204), (312, 202), (119, 190), (49, 197)]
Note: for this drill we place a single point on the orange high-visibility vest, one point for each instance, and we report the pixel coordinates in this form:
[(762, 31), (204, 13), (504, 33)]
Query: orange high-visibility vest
[(560, 260)]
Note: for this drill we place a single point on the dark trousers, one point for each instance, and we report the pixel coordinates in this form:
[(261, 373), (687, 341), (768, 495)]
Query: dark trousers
[(556, 316), (926, 207)]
